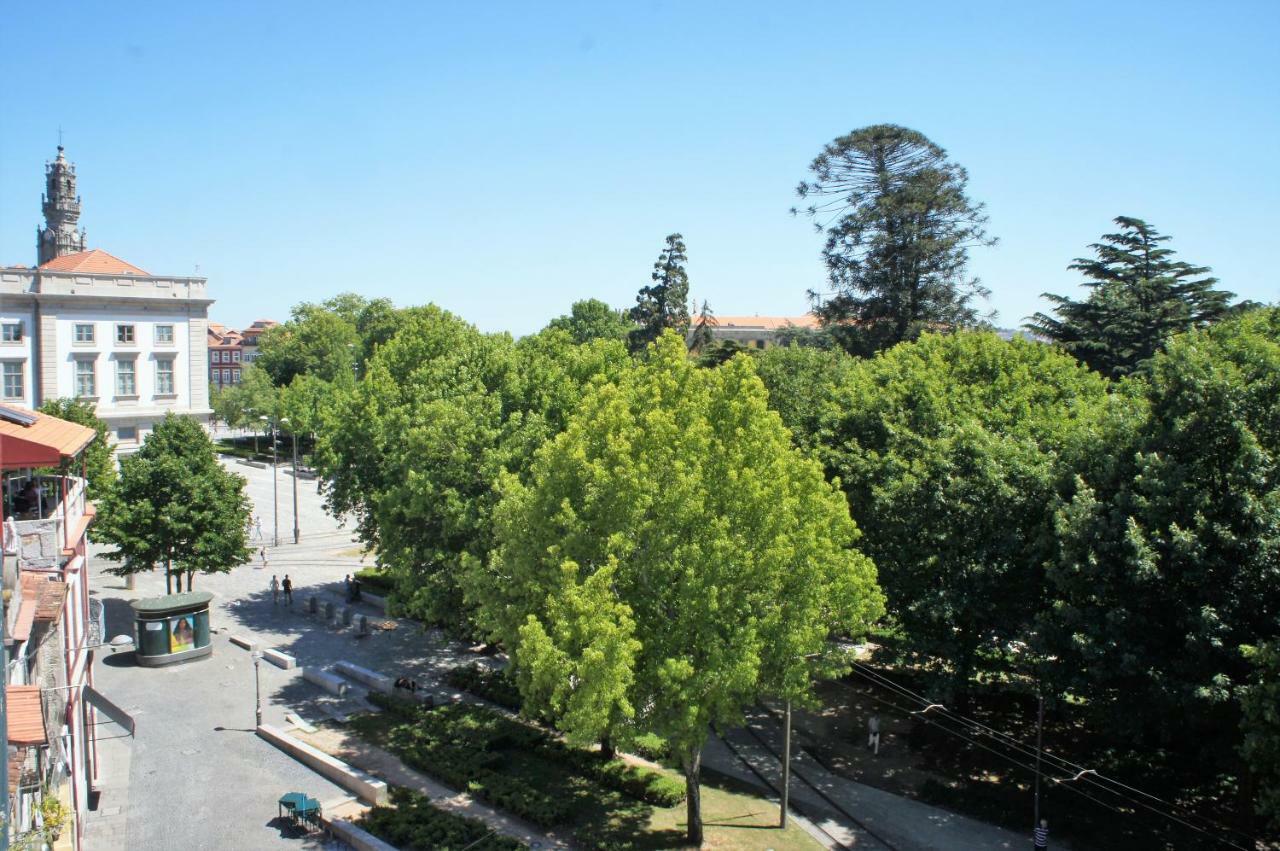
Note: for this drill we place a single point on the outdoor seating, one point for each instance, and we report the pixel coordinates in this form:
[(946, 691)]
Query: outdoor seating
[(300, 809)]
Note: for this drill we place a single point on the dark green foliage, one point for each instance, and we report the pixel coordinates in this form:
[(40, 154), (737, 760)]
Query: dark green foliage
[(1139, 297), (592, 319), (1168, 549), (495, 686), (174, 505), (664, 304), (1261, 747), (99, 465), (898, 225), (700, 337), (413, 824), (375, 581), (719, 352), (802, 383)]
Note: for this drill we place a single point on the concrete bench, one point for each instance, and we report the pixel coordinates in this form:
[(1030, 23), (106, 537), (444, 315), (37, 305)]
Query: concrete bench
[(372, 679), (375, 600), (241, 641), (364, 786), (359, 839), (279, 659), (327, 681)]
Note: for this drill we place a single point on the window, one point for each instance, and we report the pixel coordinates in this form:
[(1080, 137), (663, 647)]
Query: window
[(164, 377), (86, 378), (124, 335), (164, 335), (13, 388), (127, 433), (84, 332), (235, 355), (226, 376), (11, 332), (126, 383)]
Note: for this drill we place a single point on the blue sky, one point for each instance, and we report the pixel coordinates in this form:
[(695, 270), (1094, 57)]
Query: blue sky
[(504, 160)]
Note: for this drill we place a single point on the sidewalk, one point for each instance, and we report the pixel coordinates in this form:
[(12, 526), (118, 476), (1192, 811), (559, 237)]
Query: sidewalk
[(883, 820)]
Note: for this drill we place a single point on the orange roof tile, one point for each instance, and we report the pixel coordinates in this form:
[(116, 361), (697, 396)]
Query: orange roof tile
[(94, 261), (771, 323), (49, 593), (43, 443), (26, 718)]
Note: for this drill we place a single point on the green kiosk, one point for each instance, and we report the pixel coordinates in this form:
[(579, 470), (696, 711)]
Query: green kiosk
[(173, 628)]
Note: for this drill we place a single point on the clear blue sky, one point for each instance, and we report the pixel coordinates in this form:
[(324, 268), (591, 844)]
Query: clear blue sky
[(504, 160)]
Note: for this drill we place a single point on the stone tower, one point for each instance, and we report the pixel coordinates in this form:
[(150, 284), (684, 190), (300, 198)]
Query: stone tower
[(61, 207)]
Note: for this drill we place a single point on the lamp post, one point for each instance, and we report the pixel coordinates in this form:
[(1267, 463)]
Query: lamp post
[(275, 486), (786, 755), (293, 439), (257, 688)]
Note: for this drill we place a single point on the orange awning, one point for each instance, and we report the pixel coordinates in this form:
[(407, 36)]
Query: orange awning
[(26, 717), (43, 443)]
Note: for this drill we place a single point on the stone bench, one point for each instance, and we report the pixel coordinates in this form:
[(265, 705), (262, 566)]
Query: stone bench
[(327, 681), (279, 659), (359, 839), (364, 786), (241, 641), (364, 676)]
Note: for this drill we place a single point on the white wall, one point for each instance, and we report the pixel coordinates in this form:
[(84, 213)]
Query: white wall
[(20, 351)]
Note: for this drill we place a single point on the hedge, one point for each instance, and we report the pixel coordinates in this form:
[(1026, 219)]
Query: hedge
[(495, 686), (413, 824), (375, 581)]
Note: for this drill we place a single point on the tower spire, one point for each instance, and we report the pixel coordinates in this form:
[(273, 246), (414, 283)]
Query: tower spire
[(61, 206)]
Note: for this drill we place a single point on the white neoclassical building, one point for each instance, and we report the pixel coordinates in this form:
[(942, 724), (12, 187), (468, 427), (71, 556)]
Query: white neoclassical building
[(82, 323)]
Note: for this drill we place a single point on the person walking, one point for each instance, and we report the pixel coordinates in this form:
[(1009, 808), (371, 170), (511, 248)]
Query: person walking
[(873, 734), (262, 554), (287, 587), (1040, 836), (257, 528), (275, 591), (346, 586)]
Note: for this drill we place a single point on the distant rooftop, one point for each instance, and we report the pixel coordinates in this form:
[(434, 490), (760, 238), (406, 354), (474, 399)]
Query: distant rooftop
[(768, 323), (94, 261)]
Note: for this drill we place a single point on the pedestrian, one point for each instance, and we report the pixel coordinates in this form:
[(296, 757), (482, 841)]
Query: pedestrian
[(346, 586), (287, 587), (262, 554), (257, 528), (873, 734), (355, 590), (1040, 836), (275, 591)]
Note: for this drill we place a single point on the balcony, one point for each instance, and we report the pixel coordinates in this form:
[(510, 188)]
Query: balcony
[(38, 531)]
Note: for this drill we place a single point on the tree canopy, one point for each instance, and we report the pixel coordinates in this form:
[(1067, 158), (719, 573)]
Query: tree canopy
[(672, 559), (99, 463), (664, 304), (175, 505), (1139, 297), (592, 319), (898, 226)]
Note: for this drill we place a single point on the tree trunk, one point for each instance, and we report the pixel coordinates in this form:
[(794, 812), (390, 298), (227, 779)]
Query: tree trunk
[(607, 750), (190, 577), (693, 801), (168, 578)]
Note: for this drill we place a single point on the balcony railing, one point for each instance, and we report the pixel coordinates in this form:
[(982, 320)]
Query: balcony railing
[(38, 541)]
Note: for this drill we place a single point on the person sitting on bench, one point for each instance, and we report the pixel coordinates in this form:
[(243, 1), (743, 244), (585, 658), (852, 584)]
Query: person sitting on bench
[(407, 684)]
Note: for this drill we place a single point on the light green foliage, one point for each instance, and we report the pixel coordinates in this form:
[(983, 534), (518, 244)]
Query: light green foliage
[(898, 225), (243, 405), (99, 465), (1139, 297), (1261, 748), (592, 319), (1169, 550), (317, 341), (664, 305), (175, 505), (951, 450), (673, 501)]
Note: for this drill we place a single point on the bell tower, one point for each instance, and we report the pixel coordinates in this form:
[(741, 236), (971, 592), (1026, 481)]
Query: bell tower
[(61, 207)]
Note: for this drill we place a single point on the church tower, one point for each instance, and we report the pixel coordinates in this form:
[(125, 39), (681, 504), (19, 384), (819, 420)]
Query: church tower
[(61, 207)]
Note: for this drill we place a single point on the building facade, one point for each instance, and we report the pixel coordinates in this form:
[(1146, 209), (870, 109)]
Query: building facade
[(226, 353), (758, 332), (83, 323)]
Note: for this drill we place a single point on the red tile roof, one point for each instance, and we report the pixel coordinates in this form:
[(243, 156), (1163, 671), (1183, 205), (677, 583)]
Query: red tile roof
[(43, 443), (94, 261), (49, 593), (26, 718), (771, 323)]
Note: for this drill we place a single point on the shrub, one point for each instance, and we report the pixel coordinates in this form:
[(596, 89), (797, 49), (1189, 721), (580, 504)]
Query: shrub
[(496, 686), (376, 581), (651, 747), (412, 823)]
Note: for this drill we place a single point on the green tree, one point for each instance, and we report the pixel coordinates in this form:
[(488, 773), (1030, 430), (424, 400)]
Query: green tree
[(701, 337), (1261, 746), (175, 505), (592, 319), (1139, 297), (664, 304), (1168, 547), (951, 449), (803, 383), (317, 341), (672, 560), (99, 464), (898, 228)]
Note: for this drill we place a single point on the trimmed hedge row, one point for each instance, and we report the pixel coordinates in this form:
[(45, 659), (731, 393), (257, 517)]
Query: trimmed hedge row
[(411, 823), (495, 686), (375, 581)]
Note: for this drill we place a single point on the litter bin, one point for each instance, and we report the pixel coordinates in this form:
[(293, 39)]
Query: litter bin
[(172, 628)]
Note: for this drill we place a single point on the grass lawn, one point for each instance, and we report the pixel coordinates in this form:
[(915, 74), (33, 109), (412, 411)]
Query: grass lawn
[(730, 819)]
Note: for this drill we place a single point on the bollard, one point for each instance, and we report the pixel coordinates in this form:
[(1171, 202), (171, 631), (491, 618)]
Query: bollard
[(346, 616), (363, 622), (313, 605), (328, 611)]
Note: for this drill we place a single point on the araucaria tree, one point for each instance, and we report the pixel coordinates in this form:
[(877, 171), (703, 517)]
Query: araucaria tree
[(664, 304), (672, 560), (898, 225), (1139, 297), (174, 505)]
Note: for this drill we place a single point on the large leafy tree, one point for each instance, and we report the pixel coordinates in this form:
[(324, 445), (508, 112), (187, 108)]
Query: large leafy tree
[(951, 449), (672, 560), (99, 464), (1168, 551), (898, 226), (664, 304), (175, 505), (1139, 297), (803, 383), (592, 319), (1261, 746)]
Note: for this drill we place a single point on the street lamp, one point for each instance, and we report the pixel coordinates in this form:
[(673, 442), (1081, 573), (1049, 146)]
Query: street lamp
[(275, 486), (786, 756), (257, 688), (293, 438)]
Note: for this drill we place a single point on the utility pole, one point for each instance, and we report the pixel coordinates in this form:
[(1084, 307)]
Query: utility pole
[(294, 435), (1039, 739), (5, 809), (786, 766), (275, 485)]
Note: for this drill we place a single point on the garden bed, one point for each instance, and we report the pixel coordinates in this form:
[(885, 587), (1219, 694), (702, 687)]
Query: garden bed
[(410, 822)]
